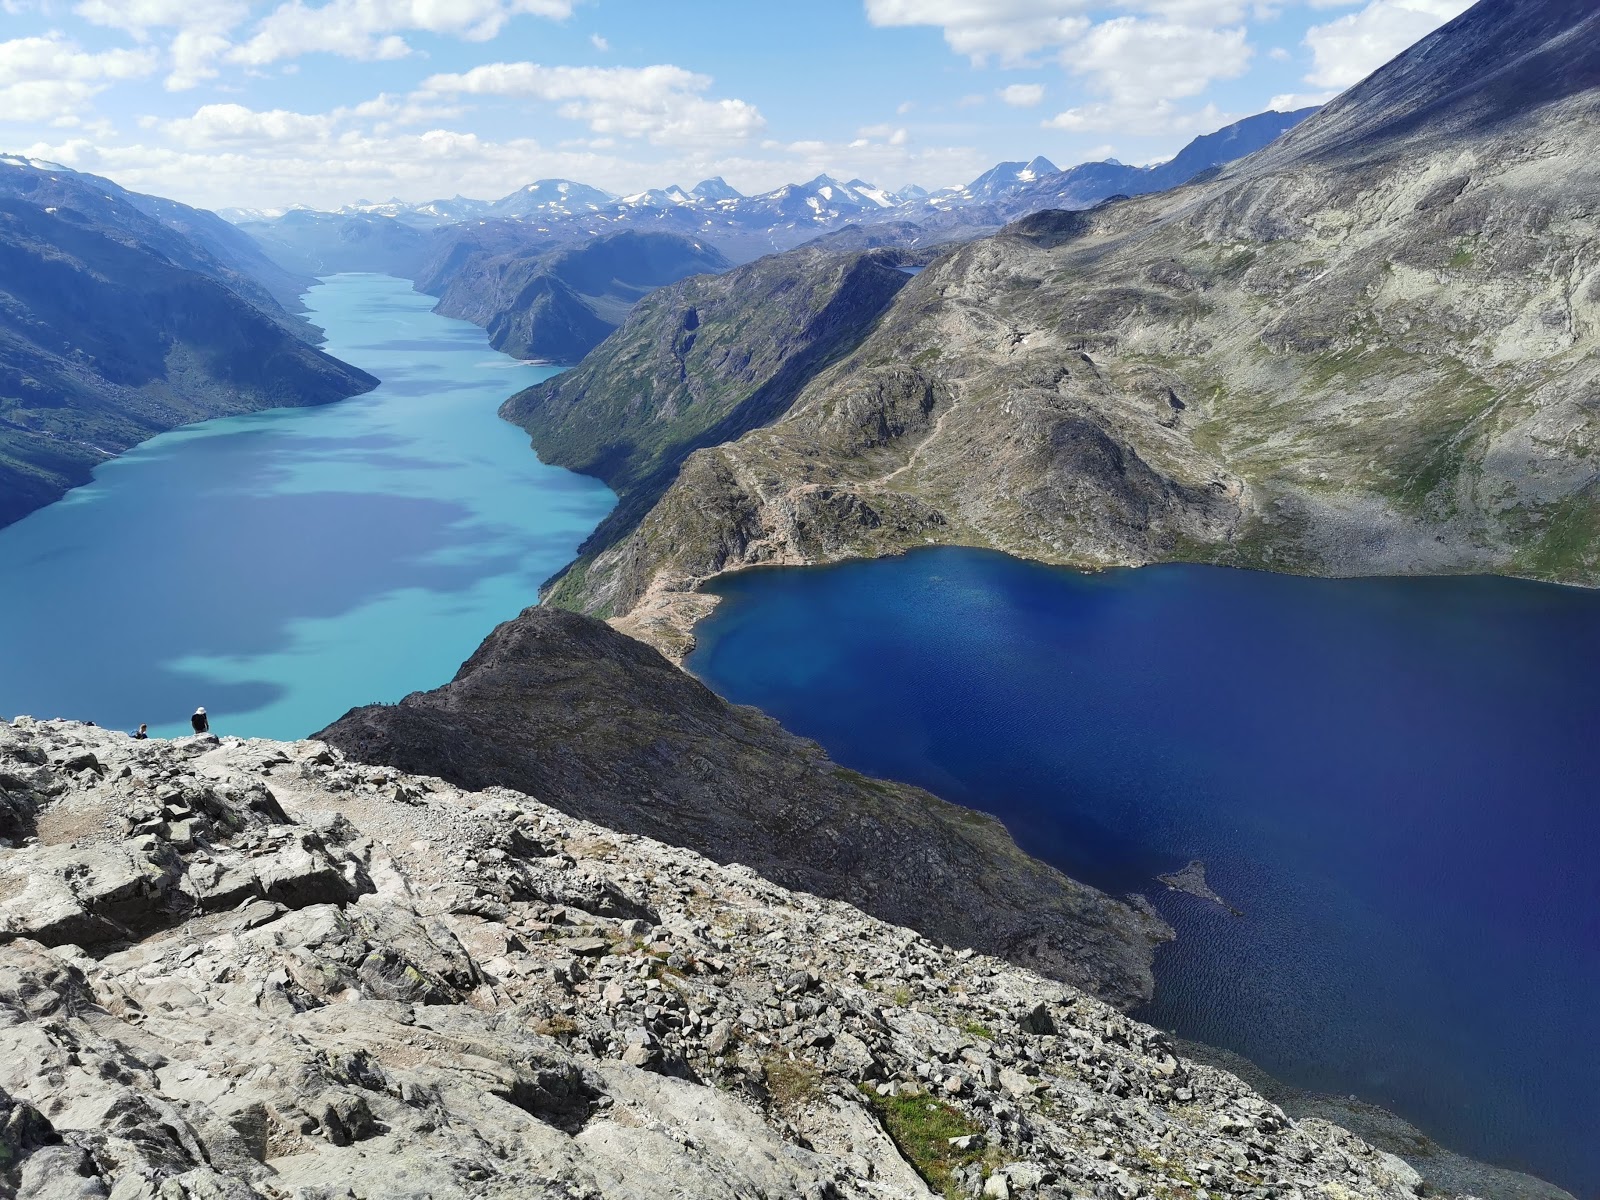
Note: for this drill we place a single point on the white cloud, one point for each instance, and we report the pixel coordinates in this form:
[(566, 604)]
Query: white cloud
[(1010, 30), (1146, 120), (662, 103), (599, 43), (1292, 101), (1134, 66), (890, 134), (1137, 61), (1140, 66), (201, 30), (194, 55), (1200, 12), (43, 99), (138, 17), (1349, 49), (1022, 95), (1016, 31), (370, 29), (51, 77), (234, 124)]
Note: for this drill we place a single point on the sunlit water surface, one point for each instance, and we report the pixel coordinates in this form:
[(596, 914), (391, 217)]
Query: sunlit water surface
[(280, 568)]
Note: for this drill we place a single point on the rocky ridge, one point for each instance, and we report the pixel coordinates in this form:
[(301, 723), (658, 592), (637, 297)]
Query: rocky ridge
[(234, 969), (106, 340), (697, 364), (558, 303), (1369, 349), (190, 238), (563, 707)]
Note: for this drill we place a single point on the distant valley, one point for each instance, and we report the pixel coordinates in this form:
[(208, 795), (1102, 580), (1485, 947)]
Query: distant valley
[(207, 310)]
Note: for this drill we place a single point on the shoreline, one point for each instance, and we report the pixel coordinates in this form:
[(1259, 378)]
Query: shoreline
[(677, 606), (1435, 1161)]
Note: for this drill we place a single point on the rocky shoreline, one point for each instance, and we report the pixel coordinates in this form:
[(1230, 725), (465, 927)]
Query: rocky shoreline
[(252, 969)]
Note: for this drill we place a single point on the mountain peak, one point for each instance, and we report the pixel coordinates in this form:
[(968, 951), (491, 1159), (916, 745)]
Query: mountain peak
[(715, 188), (1501, 62)]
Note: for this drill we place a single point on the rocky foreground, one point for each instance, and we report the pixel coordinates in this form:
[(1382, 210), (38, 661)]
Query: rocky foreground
[(252, 969), (602, 727)]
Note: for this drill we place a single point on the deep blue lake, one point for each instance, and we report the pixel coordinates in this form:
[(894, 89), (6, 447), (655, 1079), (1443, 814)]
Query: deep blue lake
[(281, 567), (1394, 779)]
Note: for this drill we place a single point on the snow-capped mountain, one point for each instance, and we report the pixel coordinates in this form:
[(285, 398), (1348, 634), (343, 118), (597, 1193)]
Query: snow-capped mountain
[(1003, 180), (394, 207), (712, 191), (242, 216), (560, 197), (822, 201), (748, 226), (457, 208), (672, 197)]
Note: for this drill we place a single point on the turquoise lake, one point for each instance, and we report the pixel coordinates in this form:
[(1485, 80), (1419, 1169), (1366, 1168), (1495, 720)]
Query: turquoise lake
[(1396, 780), (282, 567)]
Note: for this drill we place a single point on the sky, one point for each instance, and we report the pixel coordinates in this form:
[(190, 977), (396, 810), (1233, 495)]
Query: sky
[(266, 103)]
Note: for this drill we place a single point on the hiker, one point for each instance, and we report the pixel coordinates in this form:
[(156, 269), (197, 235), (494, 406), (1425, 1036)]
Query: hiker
[(200, 721), (142, 733)]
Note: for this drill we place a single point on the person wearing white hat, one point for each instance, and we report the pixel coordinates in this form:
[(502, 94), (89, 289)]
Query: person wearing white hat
[(201, 723)]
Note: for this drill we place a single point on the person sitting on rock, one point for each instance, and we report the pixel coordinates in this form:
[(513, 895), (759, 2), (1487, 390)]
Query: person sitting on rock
[(142, 733), (201, 723)]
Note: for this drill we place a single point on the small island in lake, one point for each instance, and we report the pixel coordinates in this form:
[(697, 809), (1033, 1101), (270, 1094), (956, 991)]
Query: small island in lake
[(1192, 879)]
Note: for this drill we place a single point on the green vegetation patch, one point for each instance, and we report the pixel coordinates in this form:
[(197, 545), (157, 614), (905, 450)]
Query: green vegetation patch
[(921, 1128), (792, 1083), (1569, 549)]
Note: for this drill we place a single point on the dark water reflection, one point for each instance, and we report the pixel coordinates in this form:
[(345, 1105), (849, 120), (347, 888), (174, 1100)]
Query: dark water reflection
[(1394, 779)]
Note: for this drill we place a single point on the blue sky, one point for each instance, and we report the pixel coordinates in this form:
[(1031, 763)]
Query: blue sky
[(262, 104)]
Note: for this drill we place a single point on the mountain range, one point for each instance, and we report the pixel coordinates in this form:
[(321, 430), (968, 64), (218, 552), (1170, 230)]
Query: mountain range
[(1370, 348), (742, 227)]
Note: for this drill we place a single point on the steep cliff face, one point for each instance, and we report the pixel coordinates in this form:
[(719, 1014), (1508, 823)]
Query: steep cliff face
[(105, 341), (187, 237), (254, 969), (605, 728), (697, 364), (1370, 349), (559, 302)]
